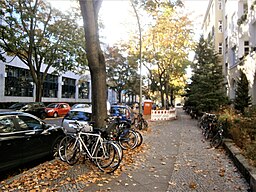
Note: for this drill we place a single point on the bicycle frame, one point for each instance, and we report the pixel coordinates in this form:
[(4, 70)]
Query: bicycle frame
[(83, 147)]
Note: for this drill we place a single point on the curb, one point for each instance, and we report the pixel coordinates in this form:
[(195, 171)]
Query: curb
[(248, 171)]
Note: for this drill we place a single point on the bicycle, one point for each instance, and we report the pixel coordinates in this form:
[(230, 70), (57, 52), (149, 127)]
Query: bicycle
[(140, 123), (120, 131), (105, 154), (218, 137)]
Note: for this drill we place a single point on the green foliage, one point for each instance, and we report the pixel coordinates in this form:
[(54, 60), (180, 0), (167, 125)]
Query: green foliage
[(121, 70), (241, 129), (206, 93), (242, 98), (165, 47), (38, 34)]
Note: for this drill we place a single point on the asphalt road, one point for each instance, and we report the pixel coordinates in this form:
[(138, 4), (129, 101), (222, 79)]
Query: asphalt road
[(56, 121)]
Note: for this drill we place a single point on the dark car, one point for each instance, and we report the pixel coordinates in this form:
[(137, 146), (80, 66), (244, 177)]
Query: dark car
[(24, 137), (122, 111), (34, 108)]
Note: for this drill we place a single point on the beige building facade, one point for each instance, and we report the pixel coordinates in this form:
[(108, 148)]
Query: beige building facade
[(231, 26)]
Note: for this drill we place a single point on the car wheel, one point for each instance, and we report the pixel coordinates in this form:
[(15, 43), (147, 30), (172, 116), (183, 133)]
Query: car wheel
[(55, 147), (55, 114), (43, 116)]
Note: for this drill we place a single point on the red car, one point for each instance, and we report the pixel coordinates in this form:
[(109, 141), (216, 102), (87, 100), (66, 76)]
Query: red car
[(57, 109)]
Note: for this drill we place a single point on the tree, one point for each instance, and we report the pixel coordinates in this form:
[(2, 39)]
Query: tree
[(41, 37), (242, 98), (166, 45), (96, 60), (206, 93), (121, 71)]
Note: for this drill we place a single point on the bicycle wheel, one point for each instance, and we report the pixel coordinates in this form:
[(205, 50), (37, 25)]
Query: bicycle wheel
[(136, 123), (72, 151), (62, 145), (108, 157), (140, 138), (216, 141), (128, 139), (144, 124)]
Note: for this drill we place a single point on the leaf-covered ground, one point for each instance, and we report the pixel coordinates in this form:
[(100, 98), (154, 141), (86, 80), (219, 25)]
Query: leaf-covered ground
[(54, 175)]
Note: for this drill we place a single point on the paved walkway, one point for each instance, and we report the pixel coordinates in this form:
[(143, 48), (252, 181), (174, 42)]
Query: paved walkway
[(176, 158)]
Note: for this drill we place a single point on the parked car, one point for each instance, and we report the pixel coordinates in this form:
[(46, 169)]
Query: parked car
[(81, 115), (80, 105), (34, 108), (24, 137), (178, 105), (57, 109), (122, 111)]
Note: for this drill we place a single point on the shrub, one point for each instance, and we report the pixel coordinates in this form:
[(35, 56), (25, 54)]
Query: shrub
[(241, 129)]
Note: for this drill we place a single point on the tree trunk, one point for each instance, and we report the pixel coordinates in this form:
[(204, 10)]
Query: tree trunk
[(162, 95), (96, 61), (39, 91)]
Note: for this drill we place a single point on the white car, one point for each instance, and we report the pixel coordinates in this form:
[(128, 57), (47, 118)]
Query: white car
[(80, 105), (80, 115)]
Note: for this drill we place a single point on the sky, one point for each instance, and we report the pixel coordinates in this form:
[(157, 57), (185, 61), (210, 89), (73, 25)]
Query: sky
[(119, 23)]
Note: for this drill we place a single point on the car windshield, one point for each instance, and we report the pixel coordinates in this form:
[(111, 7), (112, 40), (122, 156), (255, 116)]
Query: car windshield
[(79, 106), (17, 105), (117, 110), (78, 115), (53, 105)]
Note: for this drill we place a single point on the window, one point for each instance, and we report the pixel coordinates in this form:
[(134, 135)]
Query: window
[(18, 82), (245, 7), (6, 124), (226, 44), (220, 5), (29, 123), (83, 91), (50, 86), (68, 88), (226, 21), (233, 56), (78, 115), (220, 48), (220, 26), (226, 68), (246, 48)]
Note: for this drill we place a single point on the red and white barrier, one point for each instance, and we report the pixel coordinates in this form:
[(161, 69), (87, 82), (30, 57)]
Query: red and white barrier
[(157, 115)]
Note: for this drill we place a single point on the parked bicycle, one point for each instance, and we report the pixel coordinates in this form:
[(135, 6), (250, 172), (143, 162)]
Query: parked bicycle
[(212, 129), (139, 122), (106, 154), (217, 139), (120, 131), (208, 123)]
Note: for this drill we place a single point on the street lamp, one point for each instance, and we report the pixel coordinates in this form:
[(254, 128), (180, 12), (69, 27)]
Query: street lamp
[(138, 20)]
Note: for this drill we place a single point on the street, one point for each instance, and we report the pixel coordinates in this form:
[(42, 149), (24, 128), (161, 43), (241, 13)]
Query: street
[(56, 121), (174, 157)]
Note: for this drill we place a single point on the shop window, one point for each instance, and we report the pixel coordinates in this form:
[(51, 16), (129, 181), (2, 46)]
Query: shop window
[(18, 82), (50, 86), (68, 87)]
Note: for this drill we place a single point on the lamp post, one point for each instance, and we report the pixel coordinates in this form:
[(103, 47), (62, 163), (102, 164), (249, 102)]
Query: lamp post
[(138, 20)]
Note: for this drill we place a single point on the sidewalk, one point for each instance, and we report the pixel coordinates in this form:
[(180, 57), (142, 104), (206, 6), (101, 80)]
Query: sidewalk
[(176, 159)]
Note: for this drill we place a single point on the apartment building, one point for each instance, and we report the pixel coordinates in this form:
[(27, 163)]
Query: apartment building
[(231, 26)]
